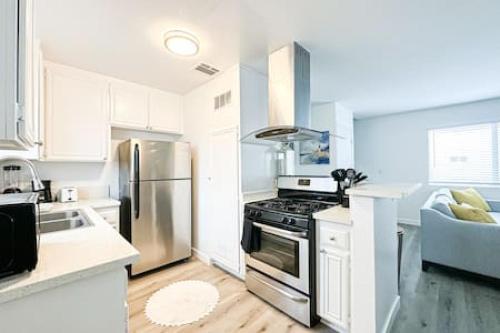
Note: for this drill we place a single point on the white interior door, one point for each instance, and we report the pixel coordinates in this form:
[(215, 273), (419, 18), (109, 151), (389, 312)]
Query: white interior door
[(224, 198)]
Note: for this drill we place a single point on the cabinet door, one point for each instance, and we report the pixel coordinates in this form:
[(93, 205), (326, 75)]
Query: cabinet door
[(224, 198), (110, 215), (334, 287), (76, 115), (165, 112), (129, 105), (16, 54), (26, 118)]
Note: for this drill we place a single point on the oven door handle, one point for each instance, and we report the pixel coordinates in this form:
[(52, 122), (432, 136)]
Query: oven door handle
[(284, 293), (280, 232)]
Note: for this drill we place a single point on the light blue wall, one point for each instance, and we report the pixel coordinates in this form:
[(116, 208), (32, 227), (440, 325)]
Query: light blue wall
[(394, 148)]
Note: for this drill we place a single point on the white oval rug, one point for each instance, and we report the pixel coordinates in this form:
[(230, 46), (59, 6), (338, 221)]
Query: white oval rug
[(182, 303)]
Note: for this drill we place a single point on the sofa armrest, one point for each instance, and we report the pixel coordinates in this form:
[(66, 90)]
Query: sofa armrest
[(494, 205)]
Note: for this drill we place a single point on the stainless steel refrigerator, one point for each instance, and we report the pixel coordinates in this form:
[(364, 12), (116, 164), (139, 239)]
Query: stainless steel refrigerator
[(155, 191)]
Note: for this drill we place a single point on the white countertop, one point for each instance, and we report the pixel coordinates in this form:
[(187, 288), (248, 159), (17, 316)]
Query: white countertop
[(391, 191), (336, 214), (93, 203), (258, 196), (67, 256)]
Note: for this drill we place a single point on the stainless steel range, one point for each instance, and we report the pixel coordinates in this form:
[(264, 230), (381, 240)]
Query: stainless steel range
[(279, 238)]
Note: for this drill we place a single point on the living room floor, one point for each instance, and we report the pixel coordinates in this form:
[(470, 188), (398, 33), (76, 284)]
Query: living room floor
[(440, 300)]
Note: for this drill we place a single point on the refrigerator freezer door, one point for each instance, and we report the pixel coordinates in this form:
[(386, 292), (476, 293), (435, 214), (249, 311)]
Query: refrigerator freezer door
[(161, 222), (154, 160)]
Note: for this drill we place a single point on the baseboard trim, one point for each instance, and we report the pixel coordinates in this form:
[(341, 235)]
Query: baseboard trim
[(389, 321), (201, 256), (413, 222), (228, 270)]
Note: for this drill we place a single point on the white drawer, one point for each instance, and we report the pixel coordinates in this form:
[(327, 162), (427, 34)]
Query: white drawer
[(334, 238), (110, 215)]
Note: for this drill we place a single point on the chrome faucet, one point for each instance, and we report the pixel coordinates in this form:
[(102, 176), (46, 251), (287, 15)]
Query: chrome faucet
[(35, 177)]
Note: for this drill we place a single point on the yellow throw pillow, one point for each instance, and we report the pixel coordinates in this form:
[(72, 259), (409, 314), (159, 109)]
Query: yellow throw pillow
[(468, 213), (472, 197)]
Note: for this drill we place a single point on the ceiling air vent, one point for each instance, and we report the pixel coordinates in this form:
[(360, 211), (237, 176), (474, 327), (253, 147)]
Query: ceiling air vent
[(207, 69)]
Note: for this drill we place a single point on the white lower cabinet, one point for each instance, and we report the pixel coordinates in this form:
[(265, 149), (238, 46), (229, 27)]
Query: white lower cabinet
[(334, 278), (334, 286), (110, 215)]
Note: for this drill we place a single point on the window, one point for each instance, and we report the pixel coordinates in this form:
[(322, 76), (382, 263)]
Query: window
[(465, 154)]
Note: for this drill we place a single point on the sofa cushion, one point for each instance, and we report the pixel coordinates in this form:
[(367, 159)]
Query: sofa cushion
[(469, 213), (472, 197), (446, 193), (442, 203)]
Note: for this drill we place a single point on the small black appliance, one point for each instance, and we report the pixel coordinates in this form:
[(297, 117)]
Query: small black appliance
[(46, 194), (19, 233)]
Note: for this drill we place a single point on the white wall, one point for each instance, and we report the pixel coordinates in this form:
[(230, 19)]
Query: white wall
[(332, 117), (200, 120), (258, 162), (394, 148), (322, 119), (94, 180)]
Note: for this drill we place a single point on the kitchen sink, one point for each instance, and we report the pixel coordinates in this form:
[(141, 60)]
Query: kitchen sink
[(68, 220), (47, 217)]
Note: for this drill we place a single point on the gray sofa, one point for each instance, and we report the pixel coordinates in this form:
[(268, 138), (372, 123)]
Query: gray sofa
[(447, 241)]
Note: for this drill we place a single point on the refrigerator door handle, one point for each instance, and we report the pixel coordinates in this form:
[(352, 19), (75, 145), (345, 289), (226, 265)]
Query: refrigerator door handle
[(136, 182)]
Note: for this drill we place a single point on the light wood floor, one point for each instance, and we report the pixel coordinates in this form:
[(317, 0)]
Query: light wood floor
[(436, 301), (237, 311), (440, 301)]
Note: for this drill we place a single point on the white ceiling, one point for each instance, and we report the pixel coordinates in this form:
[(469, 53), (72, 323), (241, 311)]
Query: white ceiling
[(375, 57)]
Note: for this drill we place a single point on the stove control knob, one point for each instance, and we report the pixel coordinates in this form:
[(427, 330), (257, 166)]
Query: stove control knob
[(258, 214), (252, 213), (292, 222), (285, 220)]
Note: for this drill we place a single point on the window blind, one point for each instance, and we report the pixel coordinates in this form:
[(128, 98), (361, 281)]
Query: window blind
[(465, 154)]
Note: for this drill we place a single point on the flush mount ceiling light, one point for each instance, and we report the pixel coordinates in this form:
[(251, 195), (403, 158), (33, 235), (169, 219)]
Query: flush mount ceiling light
[(181, 43)]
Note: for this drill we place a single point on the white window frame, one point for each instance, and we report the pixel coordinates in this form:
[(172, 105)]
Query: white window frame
[(495, 157)]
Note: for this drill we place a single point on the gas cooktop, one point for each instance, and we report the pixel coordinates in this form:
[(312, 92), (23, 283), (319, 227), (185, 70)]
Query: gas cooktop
[(294, 206)]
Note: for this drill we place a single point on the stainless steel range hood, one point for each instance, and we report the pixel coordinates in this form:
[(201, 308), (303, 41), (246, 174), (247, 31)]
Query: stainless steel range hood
[(289, 98)]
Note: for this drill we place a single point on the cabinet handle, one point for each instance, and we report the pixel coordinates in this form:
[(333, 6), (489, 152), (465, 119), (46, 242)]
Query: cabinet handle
[(333, 239), (39, 143), (322, 251)]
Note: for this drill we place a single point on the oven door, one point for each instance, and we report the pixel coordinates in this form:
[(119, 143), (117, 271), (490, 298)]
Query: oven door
[(283, 255)]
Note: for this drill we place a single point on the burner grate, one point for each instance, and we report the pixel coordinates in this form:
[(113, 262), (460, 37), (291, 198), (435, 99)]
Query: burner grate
[(293, 205)]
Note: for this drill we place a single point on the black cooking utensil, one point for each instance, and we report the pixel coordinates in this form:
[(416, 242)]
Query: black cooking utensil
[(339, 175), (350, 175), (360, 179)]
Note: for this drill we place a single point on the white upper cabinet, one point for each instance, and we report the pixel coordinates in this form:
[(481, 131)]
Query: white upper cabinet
[(17, 112), (129, 105), (76, 115), (139, 107), (165, 112)]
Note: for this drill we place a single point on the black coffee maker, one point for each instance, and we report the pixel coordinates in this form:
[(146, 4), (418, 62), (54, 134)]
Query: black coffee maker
[(45, 195)]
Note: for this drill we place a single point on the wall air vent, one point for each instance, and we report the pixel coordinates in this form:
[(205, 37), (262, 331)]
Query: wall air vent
[(222, 100), (207, 69)]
